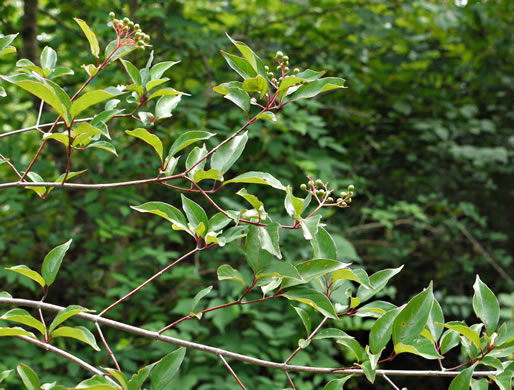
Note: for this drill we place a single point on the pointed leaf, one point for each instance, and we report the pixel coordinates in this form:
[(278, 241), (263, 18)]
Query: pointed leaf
[(337, 384), (280, 269), (239, 97), (198, 297), (23, 317), (148, 137), (464, 330), (166, 369), (48, 59), (63, 315), (187, 139), (267, 115), (26, 271), (16, 331), (229, 153), (306, 319), (79, 333), (113, 51), (197, 154), (257, 257), (5, 41), (323, 245), (132, 71), (89, 99), (422, 347), (119, 376), (158, 69), (240, 65), (463, 380), (314, 88), (34, 177), (226, 272), (378, 281), (194, 213), (103, 145), (90, 35), (60, 71), (211, 174), (486, 305), (313, 298), (52, 262), (257, 178), (252, 58), (29, 377), (380, 333), (269, 238), (165, 211), (256, 84), (449, 340)]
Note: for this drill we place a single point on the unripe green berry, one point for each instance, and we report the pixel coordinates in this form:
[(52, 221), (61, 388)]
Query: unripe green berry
[(349, 200), (279, 68), (285, 58), (351, 187), (266, 67), (131, 24), (344, 204), (303, 186), (279, 54), (343, 194), (350, 194), (339, 200), (330, 199), (137, 27), (296, 70), (319, 183), (112, 15), (126, 21), (286, 69)]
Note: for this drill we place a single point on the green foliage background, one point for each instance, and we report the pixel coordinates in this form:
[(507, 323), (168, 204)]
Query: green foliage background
[(424, 131)]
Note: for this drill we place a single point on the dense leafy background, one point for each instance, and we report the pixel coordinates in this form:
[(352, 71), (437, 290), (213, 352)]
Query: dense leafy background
[(424, 131)]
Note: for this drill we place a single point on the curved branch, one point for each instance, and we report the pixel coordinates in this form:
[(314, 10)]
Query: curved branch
[(233, 355)]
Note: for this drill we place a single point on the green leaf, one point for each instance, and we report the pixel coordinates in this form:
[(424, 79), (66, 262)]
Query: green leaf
[(436, 315), (464, 330), (323, 245), (79, 333), (26, 271), (280, 269), (239, 97), (29, 377), (166, 369), (119, 376), (158, 69), (43, 91), (226, 272), (90, 99), (168, 92), (491, 361), (449, 340), (337, 384), (155, 83), (90, 35), (253, 200), (63, 315), (293, 205), (503, 380), (132, 71), (148, 137), (463, 380), (61, 137), (267, 115), (375, 309), (412, 319), (314, 88), (48, 59), (6, 373), (252, 58), (356, 275), (310, 226), (421, 347), (52, 262), (380, 333), (137, 380), (378, 281), (16, 331), (223, 158), (269, 238), (211, 174), (306, 319), (103, 145), (5, 41), (34, 177), (240, 65), (188, 138), (486, 305), (256, 84), (194, 213), (479, 384), (59, 72), (257, 178), (310, 75), (2, 94), (369, 372), (23, 317), (312, 298), (343, 339), (199, 296), (5, 294), (165, 106), (113, 52), (197, 154), (316, 268), (166, 211), (256, 256)]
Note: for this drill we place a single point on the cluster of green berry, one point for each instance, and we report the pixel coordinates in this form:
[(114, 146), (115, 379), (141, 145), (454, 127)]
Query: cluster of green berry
[(129, 33), (324, 195), (282, 67)]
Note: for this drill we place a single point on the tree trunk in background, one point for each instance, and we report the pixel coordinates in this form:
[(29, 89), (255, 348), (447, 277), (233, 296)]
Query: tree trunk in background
[(29, 32), (29, 35)]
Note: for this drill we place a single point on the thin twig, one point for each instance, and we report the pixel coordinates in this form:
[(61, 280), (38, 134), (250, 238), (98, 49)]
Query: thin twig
[(232, 355), (391, 382), (231, 371), (109, 351), (308, 339), (68, 356), (291, 383), (148, 281)]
